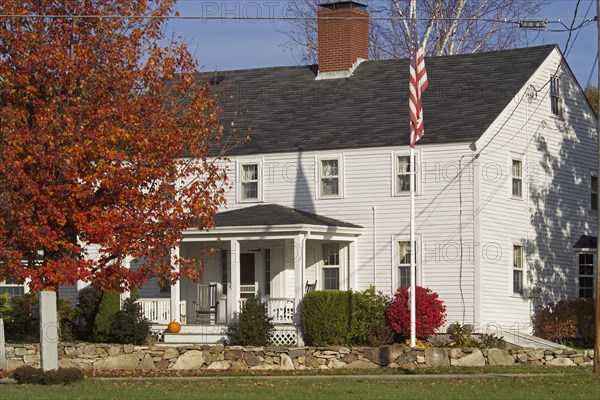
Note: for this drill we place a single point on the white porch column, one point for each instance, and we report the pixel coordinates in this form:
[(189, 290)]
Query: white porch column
[(175, 290), (299, 252), (127, 294), (233, 288), (352, 257)]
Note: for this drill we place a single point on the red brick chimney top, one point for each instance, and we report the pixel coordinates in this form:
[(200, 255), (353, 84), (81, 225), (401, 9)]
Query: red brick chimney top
[(344, 39)]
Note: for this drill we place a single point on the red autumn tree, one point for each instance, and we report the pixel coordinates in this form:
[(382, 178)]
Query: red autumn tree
[(104, 143)]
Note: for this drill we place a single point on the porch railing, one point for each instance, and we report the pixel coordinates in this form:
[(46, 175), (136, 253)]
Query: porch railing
[(158, 310), (281, 310)]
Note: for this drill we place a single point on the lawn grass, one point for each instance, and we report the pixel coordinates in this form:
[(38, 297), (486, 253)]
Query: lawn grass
[(570, 386)]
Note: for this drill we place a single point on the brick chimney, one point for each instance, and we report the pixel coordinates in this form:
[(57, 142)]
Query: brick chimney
[(343, 43)]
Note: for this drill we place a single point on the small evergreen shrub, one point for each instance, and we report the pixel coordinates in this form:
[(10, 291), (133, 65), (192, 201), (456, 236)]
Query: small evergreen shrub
[(20, 325), (5, 306), (253, 326), (461, 336), (369, 324), (326, 317), (34, 376), (430, 312), (566, 322), (128, 325), (88, 301), (108, 307), (491, 341)]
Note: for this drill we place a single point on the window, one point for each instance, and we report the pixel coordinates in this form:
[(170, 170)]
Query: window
[(403, 175), (586, 275), (555, 96), (330, 178), (517, 178), (517, 269), (594, 192), (403, 263), (224, 270), (13, 291), (250, 182), (331, 266)]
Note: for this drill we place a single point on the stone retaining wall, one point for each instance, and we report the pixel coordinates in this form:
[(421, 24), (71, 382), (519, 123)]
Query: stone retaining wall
[(218, 357)]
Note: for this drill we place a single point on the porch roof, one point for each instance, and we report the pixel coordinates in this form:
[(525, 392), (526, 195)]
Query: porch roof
[(275, 214), (586, 242), (274, 221)]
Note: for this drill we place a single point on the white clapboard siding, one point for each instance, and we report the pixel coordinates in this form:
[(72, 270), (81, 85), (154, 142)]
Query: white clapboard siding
[(557, 155)]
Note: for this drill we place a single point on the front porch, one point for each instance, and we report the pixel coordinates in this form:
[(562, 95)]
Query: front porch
[(279, 262)]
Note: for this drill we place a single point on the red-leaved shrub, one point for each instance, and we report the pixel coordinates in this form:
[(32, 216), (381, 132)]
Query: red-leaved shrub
[(430, 310)]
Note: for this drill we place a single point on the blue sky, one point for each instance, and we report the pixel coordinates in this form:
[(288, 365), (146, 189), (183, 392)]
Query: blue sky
[(235, 44)]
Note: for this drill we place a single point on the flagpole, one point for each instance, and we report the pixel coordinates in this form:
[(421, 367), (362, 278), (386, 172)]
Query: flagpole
[(413, 311)]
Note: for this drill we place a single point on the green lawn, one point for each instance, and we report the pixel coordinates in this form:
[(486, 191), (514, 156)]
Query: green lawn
[(564, 386)]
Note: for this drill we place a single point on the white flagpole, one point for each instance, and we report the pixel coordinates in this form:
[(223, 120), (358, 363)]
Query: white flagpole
[(413, 312)]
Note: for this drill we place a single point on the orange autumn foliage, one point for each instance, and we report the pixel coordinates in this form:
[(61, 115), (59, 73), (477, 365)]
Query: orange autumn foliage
[(106, 143)]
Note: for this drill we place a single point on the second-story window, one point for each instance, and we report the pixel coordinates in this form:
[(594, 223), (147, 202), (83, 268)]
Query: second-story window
[(250, 184), (330, 178), (517, 178)]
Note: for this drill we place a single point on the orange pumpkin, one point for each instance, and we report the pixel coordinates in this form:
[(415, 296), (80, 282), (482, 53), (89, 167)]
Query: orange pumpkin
[(174, 327)]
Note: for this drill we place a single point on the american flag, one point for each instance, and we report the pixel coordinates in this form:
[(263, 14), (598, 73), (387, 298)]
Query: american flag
[(418, 84)]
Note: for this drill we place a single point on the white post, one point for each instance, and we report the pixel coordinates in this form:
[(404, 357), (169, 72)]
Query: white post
[(352, 255), (48, 331), (175, 290), (233, 290), (299, 242), (413, 311), (3, 364)]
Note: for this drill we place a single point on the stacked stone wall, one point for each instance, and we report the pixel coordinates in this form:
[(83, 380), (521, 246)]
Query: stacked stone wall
[(88, 356)]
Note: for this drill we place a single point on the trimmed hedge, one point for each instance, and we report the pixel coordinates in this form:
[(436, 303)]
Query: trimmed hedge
[(326, 317), (34, 376)]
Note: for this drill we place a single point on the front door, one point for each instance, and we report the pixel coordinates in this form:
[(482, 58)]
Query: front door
[(247, 275)]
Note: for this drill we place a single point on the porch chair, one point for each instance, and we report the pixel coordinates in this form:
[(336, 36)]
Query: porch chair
[(310, 287), (206, 304)]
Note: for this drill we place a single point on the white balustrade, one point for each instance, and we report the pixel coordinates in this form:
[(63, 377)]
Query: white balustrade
[(157, 310), (281, 310)]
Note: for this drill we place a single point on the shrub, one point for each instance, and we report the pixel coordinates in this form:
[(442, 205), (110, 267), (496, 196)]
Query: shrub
[(566, 321), (35, 376), (5, 306), (490, 341), (253, 326), (430, 312), (461, 335), (20, 325), (88, 301), (326, 317), (128, 325), (108, 307), (369, 324)]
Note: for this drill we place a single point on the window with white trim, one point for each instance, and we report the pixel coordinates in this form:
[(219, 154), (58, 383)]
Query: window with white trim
[(594, 192), (555, 96), (329, 178), (331, 266), (403, 263), (403, 174), (250, 184), (518, 269), (586, 275), (517, 178)]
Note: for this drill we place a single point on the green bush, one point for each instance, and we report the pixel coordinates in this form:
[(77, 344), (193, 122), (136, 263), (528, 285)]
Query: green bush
[(108, 307), (369, 323), (5, 306), (461, 335), (566, 322), (34, 376), (20, 325), (128, 326), (88, 301), (326, 317), (253, 326)]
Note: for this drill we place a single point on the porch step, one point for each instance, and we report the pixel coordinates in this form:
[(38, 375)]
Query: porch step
[(194, 338)]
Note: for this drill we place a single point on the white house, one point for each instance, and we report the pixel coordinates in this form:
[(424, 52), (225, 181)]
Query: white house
[(505, 197)]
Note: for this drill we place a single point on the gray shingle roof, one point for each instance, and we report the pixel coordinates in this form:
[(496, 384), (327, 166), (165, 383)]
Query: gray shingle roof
[(274, 214), (284, 109), (586, 242)]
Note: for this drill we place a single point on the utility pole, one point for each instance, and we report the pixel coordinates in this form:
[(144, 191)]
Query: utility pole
[(597, 335)]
